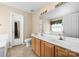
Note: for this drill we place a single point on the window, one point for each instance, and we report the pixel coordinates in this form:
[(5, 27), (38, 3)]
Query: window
[(56, 26)]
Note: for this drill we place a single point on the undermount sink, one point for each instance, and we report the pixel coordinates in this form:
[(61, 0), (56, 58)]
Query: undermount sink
[(52, 37)]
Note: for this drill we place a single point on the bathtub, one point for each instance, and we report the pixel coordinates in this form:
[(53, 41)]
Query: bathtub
[(4, 39)]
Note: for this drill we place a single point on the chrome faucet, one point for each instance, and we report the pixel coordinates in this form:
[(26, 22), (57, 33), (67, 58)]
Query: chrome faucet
[(60, 37)]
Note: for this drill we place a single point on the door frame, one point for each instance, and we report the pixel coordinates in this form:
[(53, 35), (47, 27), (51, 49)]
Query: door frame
[(11, 28)]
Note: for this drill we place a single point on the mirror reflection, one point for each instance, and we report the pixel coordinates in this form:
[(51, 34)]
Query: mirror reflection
[(56, 26)]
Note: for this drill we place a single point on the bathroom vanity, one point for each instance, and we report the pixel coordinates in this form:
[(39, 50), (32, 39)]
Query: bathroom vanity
[(53, 47)]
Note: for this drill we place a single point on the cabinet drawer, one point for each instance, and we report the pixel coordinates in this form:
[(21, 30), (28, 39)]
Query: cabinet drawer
[(48, 44), (73, 54), (61, 52)]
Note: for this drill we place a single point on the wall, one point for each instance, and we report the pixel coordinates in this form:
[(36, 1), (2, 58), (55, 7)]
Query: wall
[(71, 25), (5, 20), (36, 17)]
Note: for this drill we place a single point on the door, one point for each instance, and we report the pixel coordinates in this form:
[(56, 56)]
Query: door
[(16, 29), (48, 49), (60, 52), (73, 54), (33, 44), (38, 46)]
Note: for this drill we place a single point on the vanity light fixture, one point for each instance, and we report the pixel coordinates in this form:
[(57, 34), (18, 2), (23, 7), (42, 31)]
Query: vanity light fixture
[(60, 4), (43, 12)]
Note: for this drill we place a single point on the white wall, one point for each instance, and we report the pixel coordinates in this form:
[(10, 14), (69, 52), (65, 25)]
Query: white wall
[(71, 25), (5, 20), (36, 17)]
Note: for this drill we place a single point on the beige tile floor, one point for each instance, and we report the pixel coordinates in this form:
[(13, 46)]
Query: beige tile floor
[(20, 51)]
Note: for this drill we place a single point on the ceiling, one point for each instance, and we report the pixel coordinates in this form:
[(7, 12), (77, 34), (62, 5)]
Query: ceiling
[(25, 6)]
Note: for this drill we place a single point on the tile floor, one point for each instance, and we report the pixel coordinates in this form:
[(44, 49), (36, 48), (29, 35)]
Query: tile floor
[(20, 51)]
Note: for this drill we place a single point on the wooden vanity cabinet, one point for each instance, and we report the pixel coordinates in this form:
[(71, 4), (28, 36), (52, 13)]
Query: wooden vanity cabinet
[(45, 49), (42, 48), (60, 52), (33, 44), (49, 50), (38, 47)]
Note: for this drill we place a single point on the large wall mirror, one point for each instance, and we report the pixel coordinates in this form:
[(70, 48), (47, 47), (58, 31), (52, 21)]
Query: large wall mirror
[(67, 25)]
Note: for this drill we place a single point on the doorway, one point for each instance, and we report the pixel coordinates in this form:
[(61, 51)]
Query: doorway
[(16, 29)]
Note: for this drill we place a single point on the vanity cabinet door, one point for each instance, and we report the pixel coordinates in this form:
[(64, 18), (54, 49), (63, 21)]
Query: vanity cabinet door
[(49, 50), (38, 46), (73, 54), (60, 52), (33, 44), (42, 48)]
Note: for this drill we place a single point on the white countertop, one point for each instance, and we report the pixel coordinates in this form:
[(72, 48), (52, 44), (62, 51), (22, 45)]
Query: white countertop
[(68, 42)]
